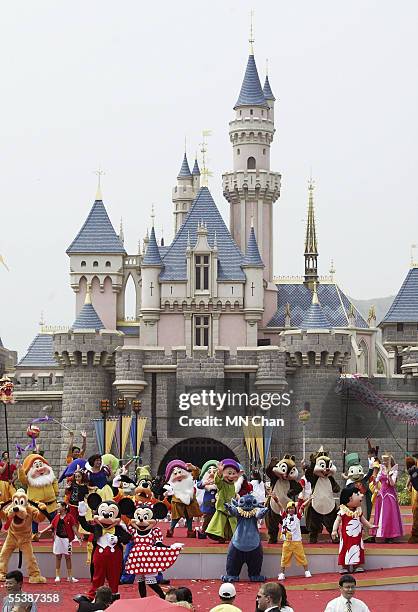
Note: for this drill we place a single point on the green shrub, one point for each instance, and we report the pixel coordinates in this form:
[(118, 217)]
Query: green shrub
[(404, 495)]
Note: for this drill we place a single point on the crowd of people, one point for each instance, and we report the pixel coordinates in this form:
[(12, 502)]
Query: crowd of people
[(119, 511)]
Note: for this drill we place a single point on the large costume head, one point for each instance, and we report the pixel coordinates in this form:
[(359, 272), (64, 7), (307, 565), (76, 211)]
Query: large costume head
[(412, 468), (144, 483), (283, 469), (105, 513), (322, 464), (351, 497), (208, 471), (111, 461), (355, 472), (18, 510), (181, 480), (144, 516), (231, 470), (38, 471)]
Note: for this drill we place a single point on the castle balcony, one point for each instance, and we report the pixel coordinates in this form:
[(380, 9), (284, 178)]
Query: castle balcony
[(317, 347), (253, 184)]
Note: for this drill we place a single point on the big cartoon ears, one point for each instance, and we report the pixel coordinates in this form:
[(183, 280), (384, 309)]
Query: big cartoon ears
[(159, 511), (127, 507), (94, 500)]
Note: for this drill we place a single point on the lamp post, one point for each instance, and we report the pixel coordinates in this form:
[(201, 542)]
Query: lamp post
[(136, 407), (120, 405), (104, 409), (304, 416), (6, 396)]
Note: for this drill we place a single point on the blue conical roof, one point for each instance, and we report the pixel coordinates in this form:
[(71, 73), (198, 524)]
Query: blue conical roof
[(268, 94), (229, 256), (152, 255), (315, 317), (251, 93), (97, 234), (404, 307), (252, 256), (184, 170), (196, 169), (40, 353), (87, 319)]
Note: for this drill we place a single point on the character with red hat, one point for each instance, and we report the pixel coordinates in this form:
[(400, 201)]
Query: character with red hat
[(41, 485), (180, 476)]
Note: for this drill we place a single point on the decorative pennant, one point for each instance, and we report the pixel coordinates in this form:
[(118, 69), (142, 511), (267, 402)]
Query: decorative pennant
[(142, 421), (126, 425), (110, 434), (247, 437), (268, 432), (259, 440), (98, 429)]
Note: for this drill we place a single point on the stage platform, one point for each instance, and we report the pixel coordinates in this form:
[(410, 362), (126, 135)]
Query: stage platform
[(205, 559)]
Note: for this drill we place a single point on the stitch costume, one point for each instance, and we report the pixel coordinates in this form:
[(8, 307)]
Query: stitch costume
[(245, 546)]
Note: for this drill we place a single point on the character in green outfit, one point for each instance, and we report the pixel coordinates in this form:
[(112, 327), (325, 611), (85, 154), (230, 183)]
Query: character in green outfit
[(223, 525)]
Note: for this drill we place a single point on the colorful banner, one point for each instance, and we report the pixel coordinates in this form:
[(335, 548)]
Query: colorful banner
[(110, 433), (247, 437), (142, 421), (259, 440), (268, 432), (126, 426), (98, 428)]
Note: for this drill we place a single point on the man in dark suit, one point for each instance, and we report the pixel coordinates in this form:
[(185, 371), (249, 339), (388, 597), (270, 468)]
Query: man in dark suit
[(269, 597)]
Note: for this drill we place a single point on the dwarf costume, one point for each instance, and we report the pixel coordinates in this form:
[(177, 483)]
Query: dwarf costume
[(179, 509), (207, 505), (222, 524)]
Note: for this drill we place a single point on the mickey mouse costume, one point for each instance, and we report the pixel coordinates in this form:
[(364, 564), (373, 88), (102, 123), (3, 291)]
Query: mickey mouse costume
[(109, 534)]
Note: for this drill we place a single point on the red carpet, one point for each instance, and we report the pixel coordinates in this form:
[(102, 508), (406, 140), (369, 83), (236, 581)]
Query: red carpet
[(205, 595)]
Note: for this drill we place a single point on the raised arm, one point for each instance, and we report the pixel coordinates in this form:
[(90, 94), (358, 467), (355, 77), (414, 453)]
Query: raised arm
[(336, 527)]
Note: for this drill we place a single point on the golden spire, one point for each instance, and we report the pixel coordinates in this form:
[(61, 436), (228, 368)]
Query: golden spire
[(152, 215), (311, 247), (99, 173), (205, 174), (251, 39)]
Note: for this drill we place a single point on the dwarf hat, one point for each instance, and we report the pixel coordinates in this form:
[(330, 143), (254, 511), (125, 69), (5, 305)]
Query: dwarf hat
[(231, 463), (176, 463), (207, 465), (29, 461)]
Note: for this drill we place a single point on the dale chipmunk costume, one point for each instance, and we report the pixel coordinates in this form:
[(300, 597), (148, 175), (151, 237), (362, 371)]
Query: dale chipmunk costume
[(283, 475), (18, 524), (321, 510)]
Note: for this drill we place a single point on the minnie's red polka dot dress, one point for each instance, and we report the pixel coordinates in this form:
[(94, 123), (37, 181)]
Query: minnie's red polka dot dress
[(147, 559)]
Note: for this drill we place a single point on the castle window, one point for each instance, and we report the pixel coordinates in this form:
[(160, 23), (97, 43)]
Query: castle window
[(95, 264), (264, 151), (83, 264), (240, 113), (262, 113), (238, 152), (251, 163), (202, 272), (251, 111), (201, 328), (108, 264), (399, 327)]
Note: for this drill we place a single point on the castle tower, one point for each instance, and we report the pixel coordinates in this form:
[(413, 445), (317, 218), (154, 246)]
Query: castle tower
[(184, 192), (251, 188), (151, 293), (311, 247), (96, 261), (253, 290)]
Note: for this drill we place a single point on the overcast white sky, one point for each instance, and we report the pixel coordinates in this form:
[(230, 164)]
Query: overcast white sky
[(119, 84)]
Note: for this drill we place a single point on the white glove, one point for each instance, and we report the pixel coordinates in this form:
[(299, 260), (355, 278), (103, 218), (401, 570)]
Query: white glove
[(177, 545), (371, 461), (82, 508), (113, 540), (116, 481)]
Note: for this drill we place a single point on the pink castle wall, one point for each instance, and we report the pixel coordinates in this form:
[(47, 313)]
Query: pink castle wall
[(232, 330), (104, 302), (171, 330)]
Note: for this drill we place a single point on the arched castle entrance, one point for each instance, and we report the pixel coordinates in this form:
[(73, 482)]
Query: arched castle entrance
[(197, 451)]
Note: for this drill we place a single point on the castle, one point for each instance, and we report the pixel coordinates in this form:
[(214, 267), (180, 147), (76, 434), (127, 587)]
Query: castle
[(208, 310)]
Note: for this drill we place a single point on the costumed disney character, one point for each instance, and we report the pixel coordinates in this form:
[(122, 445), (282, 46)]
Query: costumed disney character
[(242, 486), (209, 488), (180, 476), (223, 524), (245, 546), (148, 555), (109, 534), (41, 485), (18, 523), (283, 475), (387, 514), (292, 540), (7, 491), (412, 485), (351, 520), (356, 476), (321, 508)]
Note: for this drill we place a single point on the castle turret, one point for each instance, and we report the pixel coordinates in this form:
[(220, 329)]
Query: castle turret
[(196, 176), (253, 291), (251, 188), (151, 293), (96, 260), (184, 192)]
